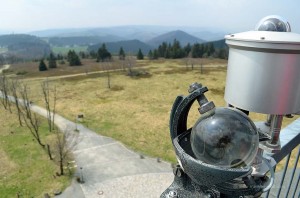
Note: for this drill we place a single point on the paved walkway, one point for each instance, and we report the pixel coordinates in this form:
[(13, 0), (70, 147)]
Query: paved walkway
[(109, 169)]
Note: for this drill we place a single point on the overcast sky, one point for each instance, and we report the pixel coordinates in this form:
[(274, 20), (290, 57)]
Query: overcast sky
[(228, 15)]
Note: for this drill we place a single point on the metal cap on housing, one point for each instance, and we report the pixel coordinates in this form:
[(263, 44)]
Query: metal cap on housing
[(273, 23)]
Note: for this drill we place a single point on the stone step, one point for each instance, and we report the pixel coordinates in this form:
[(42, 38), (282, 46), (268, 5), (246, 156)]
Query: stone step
[(120, 168), (135, 186)]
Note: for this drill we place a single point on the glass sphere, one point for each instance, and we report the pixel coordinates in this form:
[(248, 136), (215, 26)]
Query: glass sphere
[(273, 23), (225, 137)]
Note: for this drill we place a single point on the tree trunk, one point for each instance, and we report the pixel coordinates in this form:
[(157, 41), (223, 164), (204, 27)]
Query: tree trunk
[(201, 68), (49, 152), (61, 166), (40, 143), (108, 80)]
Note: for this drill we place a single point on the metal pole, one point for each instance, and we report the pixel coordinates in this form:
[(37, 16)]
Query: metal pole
[(296, 187), (293, 174), (267, 194), (269, 119), (283, 174), (275, 129), (81, 174)]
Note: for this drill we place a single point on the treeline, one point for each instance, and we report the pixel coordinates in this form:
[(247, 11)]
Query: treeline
[(175, 51), (75, 40), (165, 50)]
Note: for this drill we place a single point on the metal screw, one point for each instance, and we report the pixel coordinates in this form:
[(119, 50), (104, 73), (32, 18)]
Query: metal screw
[(209, 194), (172, 194), (194, 87), (206, 107)]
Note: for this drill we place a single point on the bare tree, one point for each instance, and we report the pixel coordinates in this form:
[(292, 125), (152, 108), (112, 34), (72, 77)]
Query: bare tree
[(122, 62), (45, 90), (106, 66), (30, 119), (46, 94), (131, 62), (201, 66), (54, 105), (4, 88), (186, 62), (14, 86), (65, 142), (191, 60), (108, 79), (49, 152)]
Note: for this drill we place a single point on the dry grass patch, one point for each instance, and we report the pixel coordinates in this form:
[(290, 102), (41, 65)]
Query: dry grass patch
[(6, 164), (136, 111)]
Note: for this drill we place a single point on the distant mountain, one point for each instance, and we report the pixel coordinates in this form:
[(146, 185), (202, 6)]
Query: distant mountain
[(59, 32), (183, 37), (140, 32), (25, 46), (81, 40), (10, 39), (130, 46)]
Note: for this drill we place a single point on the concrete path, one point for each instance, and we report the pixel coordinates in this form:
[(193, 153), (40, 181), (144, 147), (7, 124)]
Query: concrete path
[(109, 169)]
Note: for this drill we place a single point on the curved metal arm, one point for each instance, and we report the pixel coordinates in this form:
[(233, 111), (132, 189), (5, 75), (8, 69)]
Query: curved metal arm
[(180, 110)]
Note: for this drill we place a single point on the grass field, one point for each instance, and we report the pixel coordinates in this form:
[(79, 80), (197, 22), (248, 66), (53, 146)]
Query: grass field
[(24, 166), (30, 69), (136, 110), (3, 49), (64, 50)]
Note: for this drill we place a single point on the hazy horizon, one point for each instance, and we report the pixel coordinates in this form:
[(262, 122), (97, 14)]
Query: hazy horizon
[(21, 16)]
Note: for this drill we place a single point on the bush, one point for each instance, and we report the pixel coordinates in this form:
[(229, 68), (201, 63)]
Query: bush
[(21, 72), (6, 71)]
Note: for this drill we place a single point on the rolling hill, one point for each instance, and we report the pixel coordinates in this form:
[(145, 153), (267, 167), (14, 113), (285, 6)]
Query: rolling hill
[(140, 32), (75, 40), (24, 46), (130, 46), (183, 37)]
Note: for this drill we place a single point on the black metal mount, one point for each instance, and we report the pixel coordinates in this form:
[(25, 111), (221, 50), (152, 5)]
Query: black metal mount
[(194, 178)]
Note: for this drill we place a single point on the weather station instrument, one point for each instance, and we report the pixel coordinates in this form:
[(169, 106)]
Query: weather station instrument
[(226, 154)]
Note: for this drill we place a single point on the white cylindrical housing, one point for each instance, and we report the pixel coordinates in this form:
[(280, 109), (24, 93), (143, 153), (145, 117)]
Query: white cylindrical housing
[(264, 72)]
